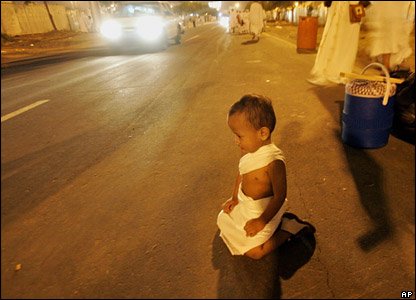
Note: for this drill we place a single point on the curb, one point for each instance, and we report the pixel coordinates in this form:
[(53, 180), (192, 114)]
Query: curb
[(46, 58)]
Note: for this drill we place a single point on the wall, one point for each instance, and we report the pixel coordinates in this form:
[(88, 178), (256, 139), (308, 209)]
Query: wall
[(20, 19)]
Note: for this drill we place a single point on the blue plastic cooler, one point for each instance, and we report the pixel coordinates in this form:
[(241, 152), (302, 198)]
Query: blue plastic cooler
[(367, 121)]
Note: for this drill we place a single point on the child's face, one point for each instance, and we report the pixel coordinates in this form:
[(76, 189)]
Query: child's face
[(246, 136)]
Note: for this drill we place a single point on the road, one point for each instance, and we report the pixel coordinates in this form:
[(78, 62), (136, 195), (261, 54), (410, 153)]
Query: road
[(111, 184)]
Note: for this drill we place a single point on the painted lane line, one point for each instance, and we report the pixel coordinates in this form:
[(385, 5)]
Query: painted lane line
[(194, 37), (22, 110)]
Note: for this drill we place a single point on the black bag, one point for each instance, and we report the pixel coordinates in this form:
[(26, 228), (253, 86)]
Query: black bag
[(404, 122)]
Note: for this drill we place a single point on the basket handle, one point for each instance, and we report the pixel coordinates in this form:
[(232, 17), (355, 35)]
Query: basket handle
[(386, 72)]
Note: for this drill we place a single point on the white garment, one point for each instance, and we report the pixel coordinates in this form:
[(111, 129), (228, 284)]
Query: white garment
[(261, 158), (339, 44), (257, 15), (233, 21), (389, 25), (232, 224), (246, 19)]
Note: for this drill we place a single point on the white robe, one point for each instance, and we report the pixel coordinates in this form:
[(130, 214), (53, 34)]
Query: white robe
[(256, 17), (339, 44), (389, 25), (232, 225), (233, 20)]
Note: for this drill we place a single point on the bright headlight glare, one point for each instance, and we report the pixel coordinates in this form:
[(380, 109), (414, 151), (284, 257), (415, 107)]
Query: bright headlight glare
[(224, 21), (150, 28), (111, 29)]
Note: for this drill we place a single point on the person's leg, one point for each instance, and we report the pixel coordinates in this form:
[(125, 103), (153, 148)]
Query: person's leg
[(277, 239), (386, 60), (290, 226)]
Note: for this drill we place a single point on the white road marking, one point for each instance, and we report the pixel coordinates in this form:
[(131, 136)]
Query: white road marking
[(253, 61), (22, 110), (194, 37)]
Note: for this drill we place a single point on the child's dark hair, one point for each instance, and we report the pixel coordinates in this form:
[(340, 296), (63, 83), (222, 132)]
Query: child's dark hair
[(258, 110)]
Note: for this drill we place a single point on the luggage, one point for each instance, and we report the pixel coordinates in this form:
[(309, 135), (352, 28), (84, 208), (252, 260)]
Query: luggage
[(404, 110)]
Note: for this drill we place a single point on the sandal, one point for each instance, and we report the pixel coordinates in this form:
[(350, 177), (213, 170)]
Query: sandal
[(292, 224)]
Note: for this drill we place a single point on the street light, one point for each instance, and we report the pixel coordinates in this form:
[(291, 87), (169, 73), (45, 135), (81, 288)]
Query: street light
[(215, 4)]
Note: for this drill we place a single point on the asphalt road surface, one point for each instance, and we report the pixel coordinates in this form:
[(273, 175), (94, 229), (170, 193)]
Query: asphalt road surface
[(114, 167)]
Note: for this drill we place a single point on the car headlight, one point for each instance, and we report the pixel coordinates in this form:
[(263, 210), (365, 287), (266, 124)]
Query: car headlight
[(150, 28), (111, 29), (224, 21)]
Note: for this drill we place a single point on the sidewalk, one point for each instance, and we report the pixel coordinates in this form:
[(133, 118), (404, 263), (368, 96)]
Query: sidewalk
[(27, 48)]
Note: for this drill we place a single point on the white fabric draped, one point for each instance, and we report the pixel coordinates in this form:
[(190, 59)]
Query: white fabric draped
[(389, 25), (232, 224), (339, 44), (256, 18), (259, 159)]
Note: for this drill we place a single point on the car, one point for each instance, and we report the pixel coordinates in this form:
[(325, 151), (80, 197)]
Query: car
[(141, 23), (224, 20)]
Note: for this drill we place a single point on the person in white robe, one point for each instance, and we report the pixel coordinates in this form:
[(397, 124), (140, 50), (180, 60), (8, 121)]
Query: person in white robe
[(233, 21), (257, 16), (389, 25), (246, 22), (338, 46), (250, 226)]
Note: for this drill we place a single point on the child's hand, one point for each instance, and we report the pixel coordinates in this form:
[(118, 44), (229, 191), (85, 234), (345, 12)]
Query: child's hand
[(254, 226), (228, 205)]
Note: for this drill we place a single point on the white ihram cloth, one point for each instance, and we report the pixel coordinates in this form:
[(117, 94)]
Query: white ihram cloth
[(339, 45), (389, 26), (256, 16), (232, 225)]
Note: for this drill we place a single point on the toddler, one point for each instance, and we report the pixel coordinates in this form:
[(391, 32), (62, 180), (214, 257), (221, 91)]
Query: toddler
[(249, 221)]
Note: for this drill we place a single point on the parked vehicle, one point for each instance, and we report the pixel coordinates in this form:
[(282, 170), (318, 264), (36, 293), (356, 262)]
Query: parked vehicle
[(141, 23)]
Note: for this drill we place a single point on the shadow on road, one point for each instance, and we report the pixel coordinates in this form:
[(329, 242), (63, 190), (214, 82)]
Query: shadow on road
[(242, 277), (368, 177), (250, 42), (367, 174)]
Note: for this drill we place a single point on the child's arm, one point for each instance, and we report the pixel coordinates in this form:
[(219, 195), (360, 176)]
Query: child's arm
[(277, 175), (230, 203)]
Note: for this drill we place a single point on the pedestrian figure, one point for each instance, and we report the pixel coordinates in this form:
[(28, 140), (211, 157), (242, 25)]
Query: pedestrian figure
[(389, 25), (249, 221), (233, 21), (246, 21), (338, 47), (257, 17), (240, 22)]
